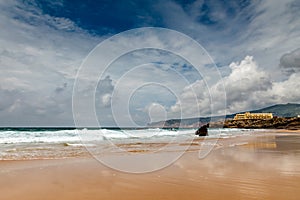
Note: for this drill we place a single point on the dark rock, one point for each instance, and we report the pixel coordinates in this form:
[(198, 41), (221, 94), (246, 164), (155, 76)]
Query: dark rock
[(202, 131)]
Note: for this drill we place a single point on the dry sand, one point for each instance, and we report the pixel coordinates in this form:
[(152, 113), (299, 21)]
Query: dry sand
[(266, 167)]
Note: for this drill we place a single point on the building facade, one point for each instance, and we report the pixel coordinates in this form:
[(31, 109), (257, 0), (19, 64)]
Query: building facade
[(248, 115)]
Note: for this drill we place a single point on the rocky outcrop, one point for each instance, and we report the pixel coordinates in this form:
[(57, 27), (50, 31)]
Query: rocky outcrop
[(202, 131), (275, 123)]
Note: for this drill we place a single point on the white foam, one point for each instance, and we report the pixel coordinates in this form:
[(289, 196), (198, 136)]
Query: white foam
[(76, 136), (78, 145)]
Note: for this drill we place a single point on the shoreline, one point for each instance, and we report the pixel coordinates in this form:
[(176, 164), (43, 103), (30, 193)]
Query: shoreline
[(194, 144)]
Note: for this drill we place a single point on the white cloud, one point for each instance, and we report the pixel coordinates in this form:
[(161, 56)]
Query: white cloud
[(265, 29), (288, 90), (245, 79), (39, 54), (247, 87), (194, 98), (135, 72)]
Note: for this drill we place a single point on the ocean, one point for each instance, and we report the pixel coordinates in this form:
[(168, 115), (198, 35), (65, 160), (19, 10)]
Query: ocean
[(60, 143)]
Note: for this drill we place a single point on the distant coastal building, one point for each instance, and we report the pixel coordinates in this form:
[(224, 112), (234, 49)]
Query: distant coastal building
[(248, 115)]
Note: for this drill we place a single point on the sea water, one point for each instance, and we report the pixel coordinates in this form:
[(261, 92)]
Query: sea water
[(56, 143)]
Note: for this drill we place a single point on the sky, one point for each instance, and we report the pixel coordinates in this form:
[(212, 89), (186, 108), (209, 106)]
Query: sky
[(52, 51)]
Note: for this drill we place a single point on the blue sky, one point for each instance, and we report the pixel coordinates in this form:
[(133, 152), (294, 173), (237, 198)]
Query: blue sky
[(254, 44)]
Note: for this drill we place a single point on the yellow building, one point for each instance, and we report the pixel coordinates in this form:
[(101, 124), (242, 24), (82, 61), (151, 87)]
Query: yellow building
[(248, 115)]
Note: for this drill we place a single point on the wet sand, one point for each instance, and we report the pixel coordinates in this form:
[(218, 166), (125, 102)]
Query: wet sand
[(264, 167)]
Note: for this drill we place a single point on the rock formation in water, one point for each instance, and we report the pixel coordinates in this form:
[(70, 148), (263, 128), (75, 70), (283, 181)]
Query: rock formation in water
[(202, 131)]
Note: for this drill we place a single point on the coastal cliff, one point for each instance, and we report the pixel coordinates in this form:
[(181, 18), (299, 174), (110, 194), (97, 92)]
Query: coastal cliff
[(275, 123)]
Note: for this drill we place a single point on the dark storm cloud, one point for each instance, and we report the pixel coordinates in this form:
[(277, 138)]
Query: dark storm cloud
[(290, 62)]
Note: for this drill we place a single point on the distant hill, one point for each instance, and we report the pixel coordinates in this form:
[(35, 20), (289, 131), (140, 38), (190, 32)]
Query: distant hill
[(280, 110)]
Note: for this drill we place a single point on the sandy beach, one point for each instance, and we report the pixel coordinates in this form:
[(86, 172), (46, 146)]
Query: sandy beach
[(265, 167)]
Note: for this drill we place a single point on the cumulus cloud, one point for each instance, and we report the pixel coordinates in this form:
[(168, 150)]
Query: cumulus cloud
[(247, 87), (244, 83), (290, 62), (287, 91)]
